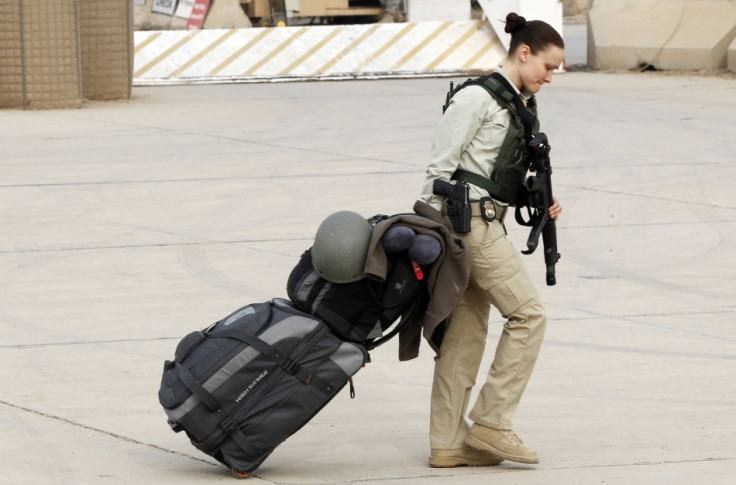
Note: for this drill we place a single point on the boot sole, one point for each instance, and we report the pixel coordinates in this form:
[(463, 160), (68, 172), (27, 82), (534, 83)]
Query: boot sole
[(482, 445), (449, 462)]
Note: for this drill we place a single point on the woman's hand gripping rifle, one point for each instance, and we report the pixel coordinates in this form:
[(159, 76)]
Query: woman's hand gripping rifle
[(538, 201)]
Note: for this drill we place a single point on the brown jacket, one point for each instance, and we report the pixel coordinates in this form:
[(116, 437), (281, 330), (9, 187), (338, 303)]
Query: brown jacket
[(446, 281)]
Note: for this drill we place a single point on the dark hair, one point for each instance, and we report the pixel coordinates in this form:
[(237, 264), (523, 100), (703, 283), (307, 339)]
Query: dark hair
[(538, 35)]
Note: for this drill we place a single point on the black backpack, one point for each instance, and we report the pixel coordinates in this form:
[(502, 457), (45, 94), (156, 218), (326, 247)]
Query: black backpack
[(365, 310)]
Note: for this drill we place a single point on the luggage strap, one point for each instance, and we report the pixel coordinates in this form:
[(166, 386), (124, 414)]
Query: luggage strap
[(239, 437), (406, 318), (269, 351), (191, 382)]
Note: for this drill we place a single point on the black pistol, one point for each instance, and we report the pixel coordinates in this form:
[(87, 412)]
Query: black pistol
[(458, 203)]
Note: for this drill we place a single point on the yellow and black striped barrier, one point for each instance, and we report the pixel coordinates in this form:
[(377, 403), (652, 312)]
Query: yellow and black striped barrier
[(315, 52)]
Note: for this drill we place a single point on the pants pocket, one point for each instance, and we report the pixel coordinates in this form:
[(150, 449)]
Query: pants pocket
[(499, 270)]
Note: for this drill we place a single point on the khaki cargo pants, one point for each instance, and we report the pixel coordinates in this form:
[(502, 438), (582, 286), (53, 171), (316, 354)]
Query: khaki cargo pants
[(498, 278)]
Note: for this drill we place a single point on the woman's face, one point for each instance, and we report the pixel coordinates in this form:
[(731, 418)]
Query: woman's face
[(536, 69)]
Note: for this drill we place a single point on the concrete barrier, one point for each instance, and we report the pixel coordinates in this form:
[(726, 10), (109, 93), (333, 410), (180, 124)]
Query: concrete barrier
[(316, 52), (672, 35), (453, 45)]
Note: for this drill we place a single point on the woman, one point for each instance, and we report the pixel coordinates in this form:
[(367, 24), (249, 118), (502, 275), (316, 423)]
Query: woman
[(479, 135)]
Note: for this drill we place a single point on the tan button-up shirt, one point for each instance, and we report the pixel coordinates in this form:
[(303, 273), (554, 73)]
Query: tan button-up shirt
[(468, 136)]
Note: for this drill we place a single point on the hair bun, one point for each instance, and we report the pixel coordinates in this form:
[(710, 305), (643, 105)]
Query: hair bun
[(514, 22)]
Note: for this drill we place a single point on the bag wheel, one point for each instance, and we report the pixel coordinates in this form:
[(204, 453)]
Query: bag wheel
[(242, 475)]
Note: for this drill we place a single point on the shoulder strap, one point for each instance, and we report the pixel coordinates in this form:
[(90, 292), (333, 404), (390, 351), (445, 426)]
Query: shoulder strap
[(498, 86), (508, 90), (453, 90), (407, 316)]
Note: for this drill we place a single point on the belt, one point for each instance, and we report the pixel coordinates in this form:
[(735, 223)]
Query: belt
[(491, 208)]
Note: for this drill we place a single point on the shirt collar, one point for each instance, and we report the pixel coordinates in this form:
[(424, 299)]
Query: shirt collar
[(524, 95)]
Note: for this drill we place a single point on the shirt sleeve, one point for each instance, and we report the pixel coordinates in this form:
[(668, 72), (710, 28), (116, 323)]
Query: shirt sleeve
[(455, 130)]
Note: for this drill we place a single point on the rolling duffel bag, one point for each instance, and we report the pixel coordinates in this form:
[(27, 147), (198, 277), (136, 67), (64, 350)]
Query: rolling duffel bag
[(242, 386)]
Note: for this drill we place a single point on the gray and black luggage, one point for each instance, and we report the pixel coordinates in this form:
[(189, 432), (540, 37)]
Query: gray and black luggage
[(242, 386)]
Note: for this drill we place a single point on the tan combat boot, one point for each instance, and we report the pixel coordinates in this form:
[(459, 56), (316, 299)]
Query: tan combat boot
[(462, 457), (502, 442)]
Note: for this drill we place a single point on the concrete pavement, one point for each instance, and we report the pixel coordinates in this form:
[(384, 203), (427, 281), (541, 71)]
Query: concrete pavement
[(126, 225)]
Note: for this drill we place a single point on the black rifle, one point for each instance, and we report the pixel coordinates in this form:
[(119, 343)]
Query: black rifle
[(538, 201), (458, 203)]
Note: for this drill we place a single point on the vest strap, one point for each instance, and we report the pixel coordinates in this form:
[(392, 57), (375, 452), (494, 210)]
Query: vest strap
[(526, 117), (496, 190)]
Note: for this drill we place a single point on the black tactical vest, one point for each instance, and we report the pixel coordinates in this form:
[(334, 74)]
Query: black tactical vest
[(509, 170)]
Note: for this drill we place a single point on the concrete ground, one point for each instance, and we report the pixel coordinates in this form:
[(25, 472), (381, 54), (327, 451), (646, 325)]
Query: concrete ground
[(126, 225)]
